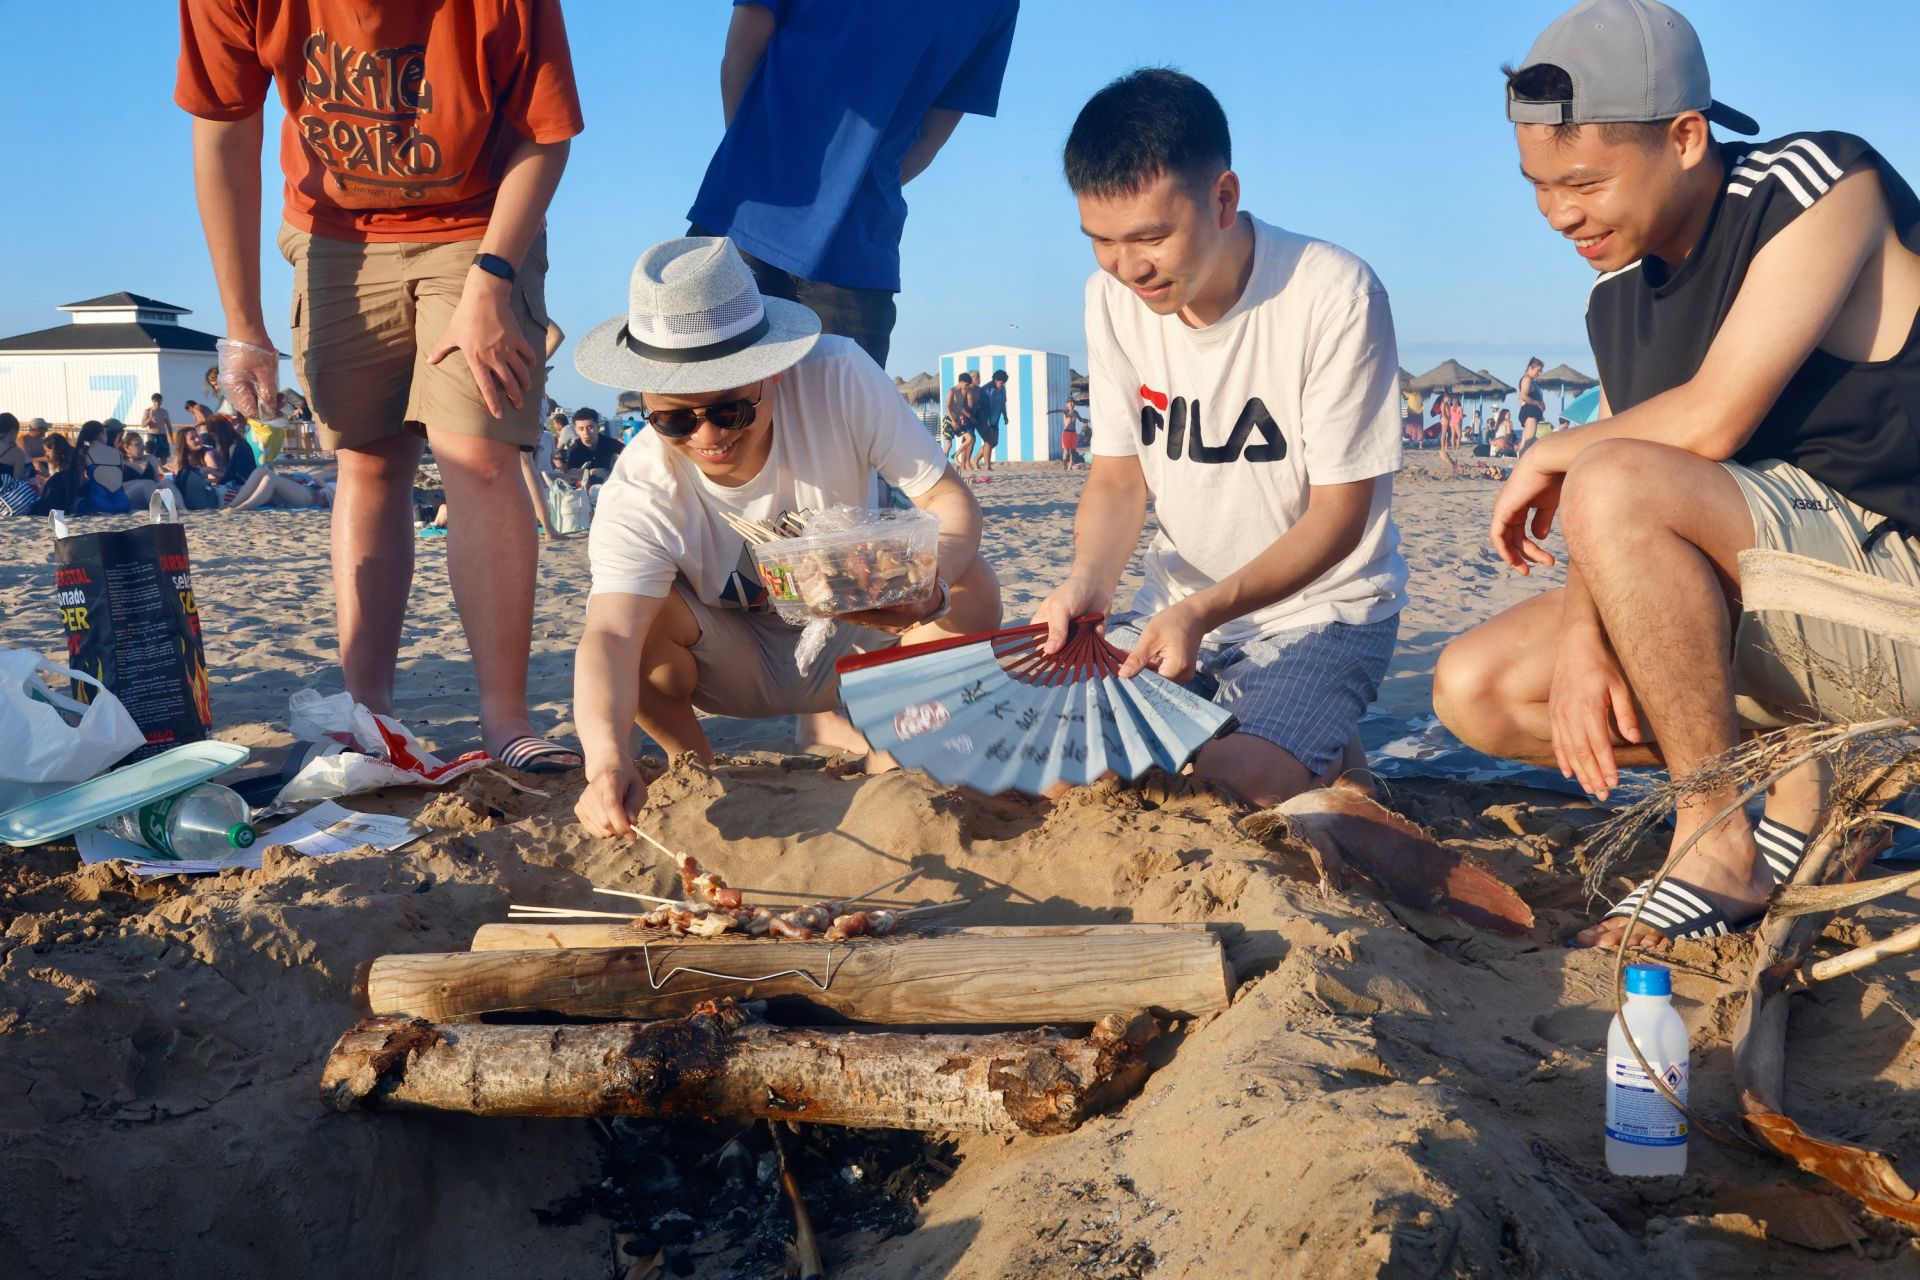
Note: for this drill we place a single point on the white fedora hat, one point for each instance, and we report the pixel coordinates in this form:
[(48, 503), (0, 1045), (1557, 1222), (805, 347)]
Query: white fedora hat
[(695, 323)]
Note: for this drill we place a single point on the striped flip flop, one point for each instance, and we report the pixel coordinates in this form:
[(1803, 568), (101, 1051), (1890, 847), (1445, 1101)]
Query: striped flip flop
[(1677, 911), (529, 754), (1781, 846)]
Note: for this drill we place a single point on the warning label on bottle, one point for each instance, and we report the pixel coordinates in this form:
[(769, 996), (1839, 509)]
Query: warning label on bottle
[(1637, 1112)]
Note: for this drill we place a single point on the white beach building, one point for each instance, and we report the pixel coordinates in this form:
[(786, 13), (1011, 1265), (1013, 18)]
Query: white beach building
[(1037, 385), (118, 350)]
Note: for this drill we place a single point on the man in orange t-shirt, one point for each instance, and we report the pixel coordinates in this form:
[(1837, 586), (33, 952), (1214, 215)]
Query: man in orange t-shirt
[(421, 147)]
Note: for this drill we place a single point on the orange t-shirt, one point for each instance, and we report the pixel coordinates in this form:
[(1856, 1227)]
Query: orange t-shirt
[(400, 117)]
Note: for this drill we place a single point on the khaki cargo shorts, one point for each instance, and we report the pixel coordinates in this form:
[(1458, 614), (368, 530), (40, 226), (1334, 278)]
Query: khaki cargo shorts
[(367, 316), (1829, 627), (747, 665)]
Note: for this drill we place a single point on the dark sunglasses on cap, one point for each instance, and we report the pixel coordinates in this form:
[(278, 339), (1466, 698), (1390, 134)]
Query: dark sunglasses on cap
[(727, 415)]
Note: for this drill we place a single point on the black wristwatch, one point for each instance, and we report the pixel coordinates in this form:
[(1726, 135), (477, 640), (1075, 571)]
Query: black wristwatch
[(494, 265)]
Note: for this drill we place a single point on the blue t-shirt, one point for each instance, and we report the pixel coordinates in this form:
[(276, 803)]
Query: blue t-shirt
[(807, 178)]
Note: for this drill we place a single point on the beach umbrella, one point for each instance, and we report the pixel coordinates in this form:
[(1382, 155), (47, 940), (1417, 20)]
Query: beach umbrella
[(1448, 375), (1564, 378), (1583, 408), (919, 389), (991, 712)]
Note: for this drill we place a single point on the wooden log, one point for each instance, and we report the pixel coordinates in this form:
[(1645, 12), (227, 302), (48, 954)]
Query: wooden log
[(979, 981), (715, 1064), (521, 935)]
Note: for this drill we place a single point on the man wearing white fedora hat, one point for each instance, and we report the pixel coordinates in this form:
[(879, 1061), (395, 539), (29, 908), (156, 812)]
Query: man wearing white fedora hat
[(753, 413)]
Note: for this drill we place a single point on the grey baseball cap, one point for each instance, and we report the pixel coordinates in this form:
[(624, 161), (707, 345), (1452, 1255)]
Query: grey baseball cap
[(1630, 61)]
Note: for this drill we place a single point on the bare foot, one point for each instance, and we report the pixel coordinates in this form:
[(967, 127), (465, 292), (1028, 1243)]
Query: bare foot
[(1724, 868)]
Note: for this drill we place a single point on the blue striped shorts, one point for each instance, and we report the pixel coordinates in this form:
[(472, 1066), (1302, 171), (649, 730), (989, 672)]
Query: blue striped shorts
[(1303, 690)]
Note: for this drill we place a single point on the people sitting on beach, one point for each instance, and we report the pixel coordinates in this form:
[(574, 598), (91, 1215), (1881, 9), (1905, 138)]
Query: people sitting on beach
[(191, 473), (752, 413), (1244, 379), (138, 470), (104, 492), (33, 442), (1755, 327), (66, 479), (13, 458), (266, 487), (589, 456)]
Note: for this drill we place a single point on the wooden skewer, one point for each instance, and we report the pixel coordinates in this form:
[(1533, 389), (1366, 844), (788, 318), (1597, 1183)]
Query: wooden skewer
[(677, 858), (644, 897), (521, 912)]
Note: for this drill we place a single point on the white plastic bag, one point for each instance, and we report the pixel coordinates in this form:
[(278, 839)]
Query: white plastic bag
[(361, 751), (44, 745), (569, 510)]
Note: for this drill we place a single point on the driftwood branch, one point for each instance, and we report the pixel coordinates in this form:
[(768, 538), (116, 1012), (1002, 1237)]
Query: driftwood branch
[(949, 980), (1903, 942), (714, 1063), (535, 936), (1760, 1052)]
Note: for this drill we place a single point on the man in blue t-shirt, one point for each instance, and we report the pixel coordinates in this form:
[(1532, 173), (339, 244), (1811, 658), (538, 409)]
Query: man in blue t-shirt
[(832, 106)]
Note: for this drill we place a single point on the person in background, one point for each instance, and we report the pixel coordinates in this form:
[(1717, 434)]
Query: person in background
[(1473, 432), (137, 469), (13, 459), (66, 481), (156, 419), (417, 239), (236, 458), (962, 402), (1503, 444), (1533, 406), (536, 461), (989, 415), (831, 107), (1069, 435), (190, 472), (33, 443), (589, 457), (104, 492), (1451, 435)]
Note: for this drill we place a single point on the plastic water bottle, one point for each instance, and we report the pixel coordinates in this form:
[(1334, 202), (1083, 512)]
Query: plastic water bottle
[(205, 823), (1646, 1134)]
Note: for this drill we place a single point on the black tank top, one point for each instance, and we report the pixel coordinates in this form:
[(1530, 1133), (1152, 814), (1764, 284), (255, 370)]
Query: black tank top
[(1852, 425)]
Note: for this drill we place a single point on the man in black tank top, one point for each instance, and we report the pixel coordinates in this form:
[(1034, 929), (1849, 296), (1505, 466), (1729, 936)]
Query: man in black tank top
[(1757, 328)]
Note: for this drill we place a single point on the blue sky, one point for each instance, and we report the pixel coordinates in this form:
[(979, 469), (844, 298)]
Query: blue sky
[(1377, 125)]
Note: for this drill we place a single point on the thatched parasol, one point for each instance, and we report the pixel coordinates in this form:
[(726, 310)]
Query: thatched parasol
[(919, 389), (1448, 375), (1564, 378)]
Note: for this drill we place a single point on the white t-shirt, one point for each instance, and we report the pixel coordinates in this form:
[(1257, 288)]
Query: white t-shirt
[(837, 421), (1297, 384)]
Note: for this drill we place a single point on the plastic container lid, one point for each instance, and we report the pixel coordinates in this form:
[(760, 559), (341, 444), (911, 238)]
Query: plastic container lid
[(127, 787), (1648, 980)]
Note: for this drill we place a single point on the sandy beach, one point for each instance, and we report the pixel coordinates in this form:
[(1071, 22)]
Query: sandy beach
[(1391, 1092)]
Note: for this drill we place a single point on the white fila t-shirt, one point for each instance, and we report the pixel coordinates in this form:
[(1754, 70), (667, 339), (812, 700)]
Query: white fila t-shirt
[(1298, 384)]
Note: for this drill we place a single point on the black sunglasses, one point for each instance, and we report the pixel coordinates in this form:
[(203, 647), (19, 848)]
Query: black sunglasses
[(728, 415)]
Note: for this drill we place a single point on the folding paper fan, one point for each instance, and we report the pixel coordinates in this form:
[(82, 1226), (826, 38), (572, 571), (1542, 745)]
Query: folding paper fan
[(992, 712)]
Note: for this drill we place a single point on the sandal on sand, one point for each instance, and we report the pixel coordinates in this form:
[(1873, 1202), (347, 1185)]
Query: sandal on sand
[(529, 754), (1677, 911)]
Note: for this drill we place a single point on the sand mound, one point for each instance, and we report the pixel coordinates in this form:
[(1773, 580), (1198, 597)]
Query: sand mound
[(1391, 1092)]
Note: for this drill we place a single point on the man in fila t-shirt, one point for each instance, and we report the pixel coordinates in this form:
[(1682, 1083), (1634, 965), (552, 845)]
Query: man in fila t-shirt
[(1244, 379), (1755, 327)]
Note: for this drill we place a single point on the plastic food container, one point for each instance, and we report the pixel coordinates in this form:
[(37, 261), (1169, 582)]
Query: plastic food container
[(880, 558)]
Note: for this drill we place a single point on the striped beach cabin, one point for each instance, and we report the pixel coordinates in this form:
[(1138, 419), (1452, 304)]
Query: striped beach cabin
[(1037, 384)]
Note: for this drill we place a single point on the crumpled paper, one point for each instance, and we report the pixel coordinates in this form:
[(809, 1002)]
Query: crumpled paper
[(361, 751)]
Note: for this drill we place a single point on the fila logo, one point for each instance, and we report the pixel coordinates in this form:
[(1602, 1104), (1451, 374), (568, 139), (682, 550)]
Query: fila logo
[(1181, 421)]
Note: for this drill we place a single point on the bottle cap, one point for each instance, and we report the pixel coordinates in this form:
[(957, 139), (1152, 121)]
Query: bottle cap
[(240, 836), (1648, 980)]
